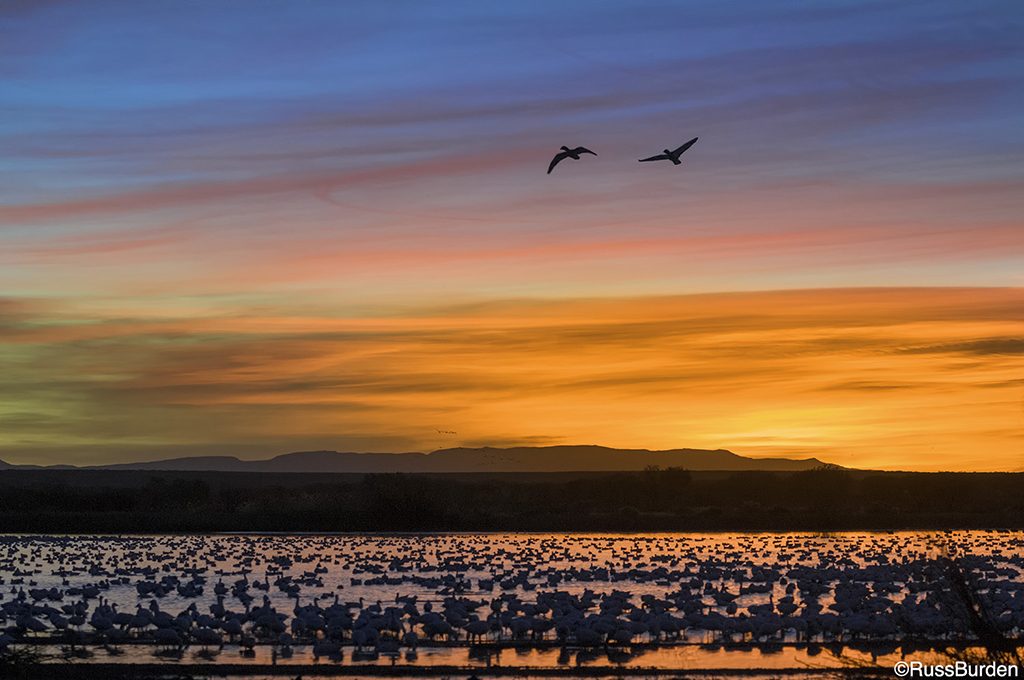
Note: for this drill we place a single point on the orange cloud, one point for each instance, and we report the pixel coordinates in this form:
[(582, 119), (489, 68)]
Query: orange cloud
[(890, 378)]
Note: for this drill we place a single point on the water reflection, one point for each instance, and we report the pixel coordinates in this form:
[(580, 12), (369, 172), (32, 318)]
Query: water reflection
[(688, 656)]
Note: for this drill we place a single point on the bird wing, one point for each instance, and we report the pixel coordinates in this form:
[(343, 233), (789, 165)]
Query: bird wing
[(659, 157), (583, 149), (686, 146), (559, 157)]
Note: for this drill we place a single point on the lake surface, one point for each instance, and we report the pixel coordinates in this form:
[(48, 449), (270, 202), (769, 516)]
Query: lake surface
[(542, 601)]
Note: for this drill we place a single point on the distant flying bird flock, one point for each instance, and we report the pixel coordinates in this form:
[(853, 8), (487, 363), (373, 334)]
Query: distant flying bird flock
[(666, 155)]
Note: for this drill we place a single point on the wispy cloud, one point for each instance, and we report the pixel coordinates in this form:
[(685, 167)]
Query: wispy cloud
[(310, 226), (764, 373), (981, 347)]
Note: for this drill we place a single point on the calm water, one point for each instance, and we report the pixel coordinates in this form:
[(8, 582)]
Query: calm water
[(700, 601)]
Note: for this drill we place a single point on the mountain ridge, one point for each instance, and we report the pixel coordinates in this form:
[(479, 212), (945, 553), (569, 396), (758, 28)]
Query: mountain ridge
[(562, 458)]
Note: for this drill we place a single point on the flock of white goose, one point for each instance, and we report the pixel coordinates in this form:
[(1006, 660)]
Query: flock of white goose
[(388, 594)]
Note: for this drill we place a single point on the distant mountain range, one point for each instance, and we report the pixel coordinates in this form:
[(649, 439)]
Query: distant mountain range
[(486, 459)]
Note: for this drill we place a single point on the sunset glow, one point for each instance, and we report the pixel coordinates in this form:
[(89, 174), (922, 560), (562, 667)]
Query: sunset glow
[(209, 249)]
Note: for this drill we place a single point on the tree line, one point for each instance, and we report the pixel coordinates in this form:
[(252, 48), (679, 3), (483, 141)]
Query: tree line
[(653, 500)]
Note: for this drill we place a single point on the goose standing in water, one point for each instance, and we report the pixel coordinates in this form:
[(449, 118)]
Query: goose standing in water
[(671, 155), (566, 152)]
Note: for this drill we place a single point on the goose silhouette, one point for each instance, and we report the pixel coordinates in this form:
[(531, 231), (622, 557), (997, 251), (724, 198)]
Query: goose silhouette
[(671, 155), (566, 152)]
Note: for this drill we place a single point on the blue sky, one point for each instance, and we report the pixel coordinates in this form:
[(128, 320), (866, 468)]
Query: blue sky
[(179, 173)]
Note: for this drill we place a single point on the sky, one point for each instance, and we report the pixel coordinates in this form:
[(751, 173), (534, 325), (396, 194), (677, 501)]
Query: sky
[(248, 227)]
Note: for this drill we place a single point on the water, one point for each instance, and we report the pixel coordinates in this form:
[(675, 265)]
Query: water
[(740, 601)]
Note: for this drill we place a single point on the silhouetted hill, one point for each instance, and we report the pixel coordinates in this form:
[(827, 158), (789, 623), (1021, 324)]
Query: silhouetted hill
[(195, 463), (486, 459)]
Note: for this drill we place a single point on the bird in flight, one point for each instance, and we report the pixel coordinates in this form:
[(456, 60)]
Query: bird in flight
[(671, 155), (566, 152)]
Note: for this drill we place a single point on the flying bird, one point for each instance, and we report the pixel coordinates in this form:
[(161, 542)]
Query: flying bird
[(671, 155), (568, 153)]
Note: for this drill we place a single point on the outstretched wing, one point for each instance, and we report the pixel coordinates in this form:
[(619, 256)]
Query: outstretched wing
[(583, 149), (559, 157), (686, 146), (659, 157)]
